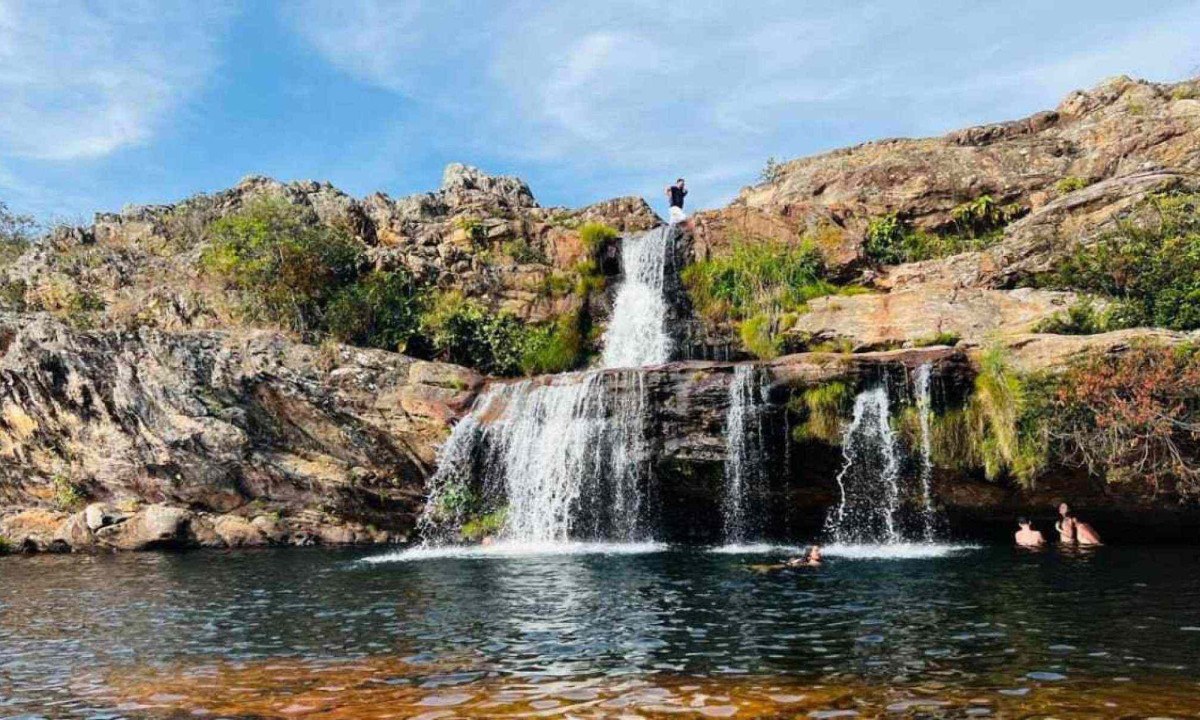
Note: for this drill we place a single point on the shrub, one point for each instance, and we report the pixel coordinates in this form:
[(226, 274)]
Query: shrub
[(1070, 184), (473, 228), (822, 409), (281, 262), (12, 295), (595, 234), (1133, 418), (1185, 92), (16, 234), (557, 347), (524, 252), (6, 545), (761, 286), (67, 495), (941, 337), (463, 331), (1151, 270), (1081, 318), (381, 310), (983, 215), (891, 239)]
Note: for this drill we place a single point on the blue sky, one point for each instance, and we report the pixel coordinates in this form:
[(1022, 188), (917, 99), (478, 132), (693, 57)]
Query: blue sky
[(142, 101)]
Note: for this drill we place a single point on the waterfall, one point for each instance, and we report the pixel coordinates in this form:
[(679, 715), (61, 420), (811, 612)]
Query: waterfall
[(566, 456), (869, 481), (924, 409), (744, 491), (636, 334)]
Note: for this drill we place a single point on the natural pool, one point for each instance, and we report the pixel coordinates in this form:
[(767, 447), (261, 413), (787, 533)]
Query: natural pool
[(649, 632)]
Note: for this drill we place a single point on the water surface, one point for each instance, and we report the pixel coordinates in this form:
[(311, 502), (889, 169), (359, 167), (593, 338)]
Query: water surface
[(327, 633)]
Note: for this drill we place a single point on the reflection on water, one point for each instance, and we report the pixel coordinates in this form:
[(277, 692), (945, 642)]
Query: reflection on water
[(319, 633)]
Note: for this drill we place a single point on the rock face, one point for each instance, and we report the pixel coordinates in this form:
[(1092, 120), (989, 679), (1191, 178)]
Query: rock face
[(243, 423), (140, 266), (173, 424), (1120, 128)]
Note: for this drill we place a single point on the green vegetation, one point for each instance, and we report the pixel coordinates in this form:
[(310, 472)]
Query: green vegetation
[(1000, 423), (938, 338), (286, 268), (67, 495), (383, 310), (484, 526), (1150, 270), (595, 234), (760, 286), (1070, 184), (1186, 92), (473, 228), (1081, 318), (821, 410), (557, 347), (892, 240), (462, 330), (283, 265), (524, 252), (16, 233), (6, 545)]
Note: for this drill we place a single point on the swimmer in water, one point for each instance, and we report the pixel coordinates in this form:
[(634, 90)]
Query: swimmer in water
[(812, 558)]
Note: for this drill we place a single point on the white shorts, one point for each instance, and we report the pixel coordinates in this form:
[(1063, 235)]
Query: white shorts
[(677, 215)]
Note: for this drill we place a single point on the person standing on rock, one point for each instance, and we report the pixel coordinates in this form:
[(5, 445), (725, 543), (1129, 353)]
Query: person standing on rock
[(675, 195)]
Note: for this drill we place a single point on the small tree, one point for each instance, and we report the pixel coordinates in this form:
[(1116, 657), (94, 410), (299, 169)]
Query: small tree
[(16, 232)]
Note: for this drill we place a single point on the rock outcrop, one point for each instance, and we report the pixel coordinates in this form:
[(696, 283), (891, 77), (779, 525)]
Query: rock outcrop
[(485, 236), (1120, 128), (246, 424)]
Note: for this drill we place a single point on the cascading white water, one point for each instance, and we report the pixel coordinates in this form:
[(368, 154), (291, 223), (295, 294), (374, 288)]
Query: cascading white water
[(744, 456), (636, 334), (924, 409), (870, 477), (567, 457)]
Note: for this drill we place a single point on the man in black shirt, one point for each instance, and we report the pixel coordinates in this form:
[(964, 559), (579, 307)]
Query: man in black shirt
[(676, 193)]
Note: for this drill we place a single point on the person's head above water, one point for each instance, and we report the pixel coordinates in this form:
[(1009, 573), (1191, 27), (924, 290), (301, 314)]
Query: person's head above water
[(1024, 522), (814, 553), (1064, 509)]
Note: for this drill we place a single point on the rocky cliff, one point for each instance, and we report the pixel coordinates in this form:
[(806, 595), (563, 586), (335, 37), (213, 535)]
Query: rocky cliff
[(140, 407)]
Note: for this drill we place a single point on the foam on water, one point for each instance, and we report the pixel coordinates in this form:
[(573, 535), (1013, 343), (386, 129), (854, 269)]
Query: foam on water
[(895, 551), (514, 549), (755, 549)]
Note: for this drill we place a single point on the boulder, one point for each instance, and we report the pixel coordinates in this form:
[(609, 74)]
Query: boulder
[(236, 531), (151, 527)]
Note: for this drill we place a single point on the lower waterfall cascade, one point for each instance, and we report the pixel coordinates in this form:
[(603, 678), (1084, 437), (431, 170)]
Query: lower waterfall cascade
[(744, 471), (566, 457), (924, 403), (876, 505)]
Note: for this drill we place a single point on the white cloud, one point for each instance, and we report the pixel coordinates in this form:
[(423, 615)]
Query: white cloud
[(645, 89), (82, 79)]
